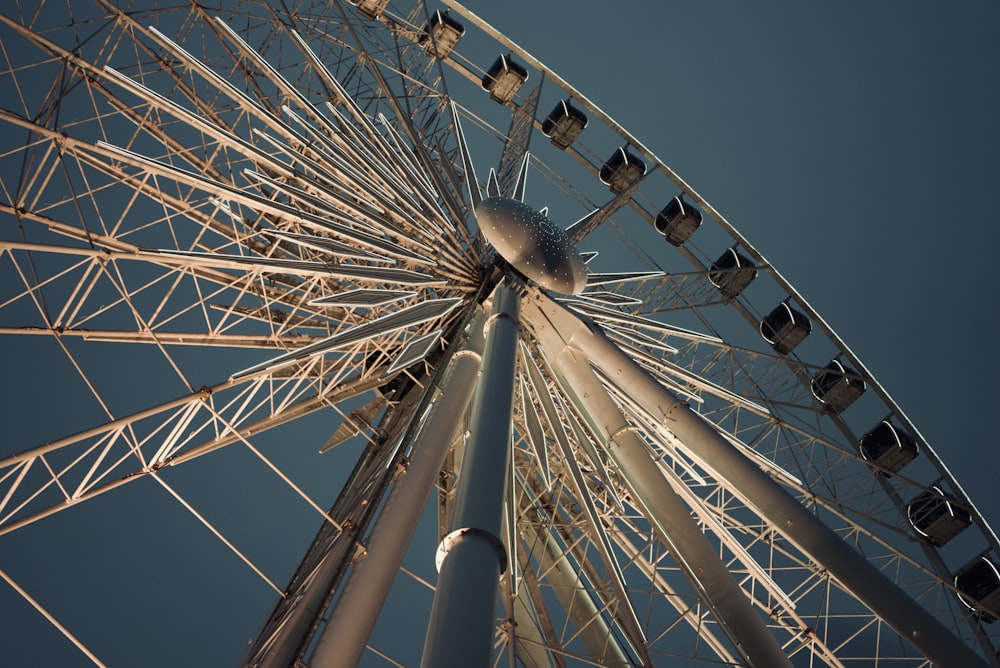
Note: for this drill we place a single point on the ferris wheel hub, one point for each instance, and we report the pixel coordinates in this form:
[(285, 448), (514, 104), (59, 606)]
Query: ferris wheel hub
[(532, 244)]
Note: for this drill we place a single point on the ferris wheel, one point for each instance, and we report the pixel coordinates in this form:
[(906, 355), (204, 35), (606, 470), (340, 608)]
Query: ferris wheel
[(566, 413)]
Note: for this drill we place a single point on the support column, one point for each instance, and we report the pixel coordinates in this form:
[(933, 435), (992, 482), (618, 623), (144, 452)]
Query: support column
[(696, 556), (354, 615), (472, 557), (793, 521)]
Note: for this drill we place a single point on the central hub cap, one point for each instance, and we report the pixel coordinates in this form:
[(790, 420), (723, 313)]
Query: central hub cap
[(532, 244)]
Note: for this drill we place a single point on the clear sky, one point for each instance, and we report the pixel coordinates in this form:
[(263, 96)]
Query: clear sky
[(853, 143)]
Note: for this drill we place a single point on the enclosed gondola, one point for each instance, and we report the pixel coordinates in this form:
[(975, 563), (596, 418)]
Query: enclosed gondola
[(732, 273), (784, 328), (564, 124), (936, 516), (622, 169), (441, 33), (888, 447), (978, 585), (504, 78), (677, 221), (837, 386), (371, 9)]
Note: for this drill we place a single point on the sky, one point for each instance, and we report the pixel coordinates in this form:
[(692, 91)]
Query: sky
[(854, 145)]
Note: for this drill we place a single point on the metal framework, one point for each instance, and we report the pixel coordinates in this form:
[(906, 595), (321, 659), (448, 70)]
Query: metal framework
[(239, 233)]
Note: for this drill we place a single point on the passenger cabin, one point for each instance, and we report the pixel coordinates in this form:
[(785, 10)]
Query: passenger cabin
[(935, 516), (784, 328), (978, 585), (442, 32), (564, 124), (732, 273), (371, 9), (837, 386), (678, 221), (888, 447), (504, 79), (621, 170)]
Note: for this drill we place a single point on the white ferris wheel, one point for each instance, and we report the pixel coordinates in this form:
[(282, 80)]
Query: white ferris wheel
[(238, 233)]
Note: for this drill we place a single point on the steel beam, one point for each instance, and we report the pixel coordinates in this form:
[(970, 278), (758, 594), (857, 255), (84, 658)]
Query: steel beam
[(697, 557), (471, 557), (354, 614)]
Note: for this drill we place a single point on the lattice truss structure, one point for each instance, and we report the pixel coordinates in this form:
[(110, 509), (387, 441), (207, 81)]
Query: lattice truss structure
[(235, 233)]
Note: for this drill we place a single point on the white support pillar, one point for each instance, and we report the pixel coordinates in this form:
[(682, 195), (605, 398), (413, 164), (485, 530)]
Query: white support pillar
[(354, 614), (472, 557), (696, 556), (792, 520)]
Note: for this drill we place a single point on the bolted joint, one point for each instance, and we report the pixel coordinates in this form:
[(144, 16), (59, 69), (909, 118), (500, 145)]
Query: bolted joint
[(471, 533), (496, 316)]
